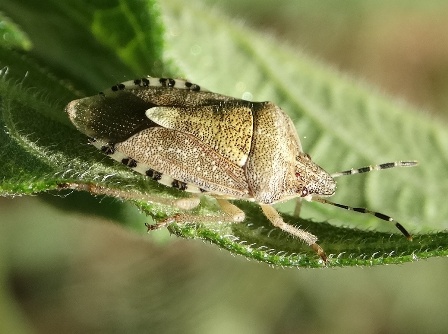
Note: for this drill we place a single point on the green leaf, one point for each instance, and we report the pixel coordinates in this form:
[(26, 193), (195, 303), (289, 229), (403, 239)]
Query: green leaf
[(12, 35), (92, 43), (341, 123)]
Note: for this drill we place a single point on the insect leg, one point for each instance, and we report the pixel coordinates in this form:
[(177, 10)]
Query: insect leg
[(231, 213), (95, 189), (367, 169), (379, 215), (308, 238), (298, 207)]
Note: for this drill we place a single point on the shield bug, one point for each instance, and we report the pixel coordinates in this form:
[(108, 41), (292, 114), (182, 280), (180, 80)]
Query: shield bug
[(188, 138)]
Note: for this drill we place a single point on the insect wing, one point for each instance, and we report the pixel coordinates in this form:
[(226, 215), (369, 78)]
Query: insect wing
[(185, 158)]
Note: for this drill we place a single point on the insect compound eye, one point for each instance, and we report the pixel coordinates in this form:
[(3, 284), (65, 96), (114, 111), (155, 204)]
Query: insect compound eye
[(304, 192)]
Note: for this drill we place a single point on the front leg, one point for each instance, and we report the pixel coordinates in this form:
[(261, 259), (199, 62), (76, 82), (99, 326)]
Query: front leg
[(310, 239)]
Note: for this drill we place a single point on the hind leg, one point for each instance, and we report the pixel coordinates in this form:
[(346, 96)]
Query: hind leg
[(230, 213)]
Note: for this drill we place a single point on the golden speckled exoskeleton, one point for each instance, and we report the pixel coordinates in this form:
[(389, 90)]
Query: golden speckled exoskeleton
[(201, 142)]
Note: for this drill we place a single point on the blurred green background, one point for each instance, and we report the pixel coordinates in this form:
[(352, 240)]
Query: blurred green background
[(69, 272)]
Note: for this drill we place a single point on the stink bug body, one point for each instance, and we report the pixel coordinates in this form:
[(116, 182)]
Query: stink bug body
[(197, 141)]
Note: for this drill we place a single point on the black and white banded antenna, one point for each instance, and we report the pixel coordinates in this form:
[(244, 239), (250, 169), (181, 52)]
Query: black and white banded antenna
[(367, 169)]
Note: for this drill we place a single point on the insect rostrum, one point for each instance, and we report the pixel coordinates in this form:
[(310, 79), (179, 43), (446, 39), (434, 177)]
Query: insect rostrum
[(197, 141)]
